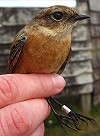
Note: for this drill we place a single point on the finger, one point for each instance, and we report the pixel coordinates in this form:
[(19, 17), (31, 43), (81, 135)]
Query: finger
[(39, 131), (23, 118), (19, 87)]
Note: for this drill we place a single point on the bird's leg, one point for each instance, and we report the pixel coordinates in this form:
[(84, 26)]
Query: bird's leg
[(68, 117)]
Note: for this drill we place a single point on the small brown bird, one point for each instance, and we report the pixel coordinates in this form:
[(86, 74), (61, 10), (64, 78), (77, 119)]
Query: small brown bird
[(44, 46)]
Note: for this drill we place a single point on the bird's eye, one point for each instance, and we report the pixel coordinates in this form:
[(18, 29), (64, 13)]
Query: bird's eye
[(57, 15)]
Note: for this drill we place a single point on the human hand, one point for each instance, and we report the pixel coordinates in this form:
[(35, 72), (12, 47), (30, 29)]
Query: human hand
[(22, 102)]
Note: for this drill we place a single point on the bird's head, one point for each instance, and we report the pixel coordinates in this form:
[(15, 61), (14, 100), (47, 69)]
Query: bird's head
[(57, 20)]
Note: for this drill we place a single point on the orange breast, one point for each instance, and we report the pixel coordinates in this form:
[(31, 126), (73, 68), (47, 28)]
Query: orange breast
[(42, 54)]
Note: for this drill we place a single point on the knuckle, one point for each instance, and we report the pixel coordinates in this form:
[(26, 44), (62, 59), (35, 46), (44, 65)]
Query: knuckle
[(42, 85), (8, 90), (16, 121)]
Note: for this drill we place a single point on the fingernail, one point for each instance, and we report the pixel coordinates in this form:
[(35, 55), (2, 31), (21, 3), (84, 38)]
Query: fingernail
[(58, 81)]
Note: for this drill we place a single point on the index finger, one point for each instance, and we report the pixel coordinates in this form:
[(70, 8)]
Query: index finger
[(20, 87)]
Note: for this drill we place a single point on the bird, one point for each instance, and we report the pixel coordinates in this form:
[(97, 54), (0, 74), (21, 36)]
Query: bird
[(43, 46)]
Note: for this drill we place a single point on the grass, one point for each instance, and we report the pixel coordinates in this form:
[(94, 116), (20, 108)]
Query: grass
[(53, 129)]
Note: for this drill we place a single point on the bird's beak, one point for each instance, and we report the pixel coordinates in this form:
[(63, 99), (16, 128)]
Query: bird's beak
[(81, 17)]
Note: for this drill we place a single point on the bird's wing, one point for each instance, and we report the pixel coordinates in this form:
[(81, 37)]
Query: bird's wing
[(66, 62), (16, 50)]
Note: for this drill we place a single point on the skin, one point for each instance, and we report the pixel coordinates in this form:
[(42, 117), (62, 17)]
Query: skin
[(18, 116)]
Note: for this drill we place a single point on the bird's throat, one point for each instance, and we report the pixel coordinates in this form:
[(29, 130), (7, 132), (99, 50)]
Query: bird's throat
[(55, 34)]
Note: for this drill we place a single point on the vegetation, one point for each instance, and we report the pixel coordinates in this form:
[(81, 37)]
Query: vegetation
[(53, 129)]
